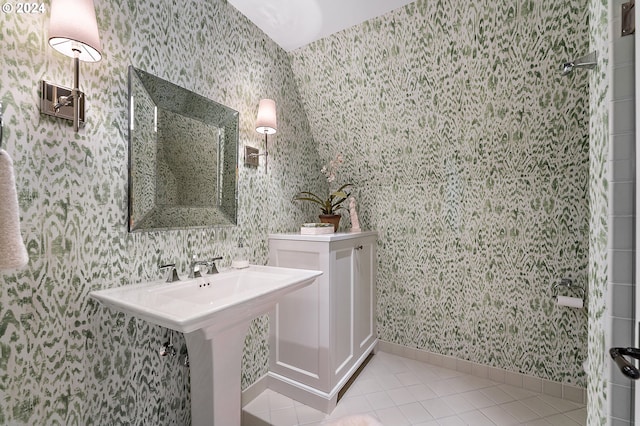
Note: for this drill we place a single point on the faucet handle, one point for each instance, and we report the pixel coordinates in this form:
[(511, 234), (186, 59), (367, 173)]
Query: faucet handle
[(212, 265), (172, 273)]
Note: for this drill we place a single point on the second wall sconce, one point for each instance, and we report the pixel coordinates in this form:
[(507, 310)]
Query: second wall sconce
[(73, 31), (266, 124)]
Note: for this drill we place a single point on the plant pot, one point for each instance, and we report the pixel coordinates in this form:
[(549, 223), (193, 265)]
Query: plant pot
[(331, 218)]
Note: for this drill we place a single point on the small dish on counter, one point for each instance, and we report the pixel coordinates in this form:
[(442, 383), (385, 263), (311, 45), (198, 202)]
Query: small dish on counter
[(240, 264)]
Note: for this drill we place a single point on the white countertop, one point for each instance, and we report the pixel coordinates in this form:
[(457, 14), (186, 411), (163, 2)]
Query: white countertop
[(323, 237)]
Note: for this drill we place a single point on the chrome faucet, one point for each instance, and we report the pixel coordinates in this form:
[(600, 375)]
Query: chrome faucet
[(210, 264), (193, 273), (172, 273)]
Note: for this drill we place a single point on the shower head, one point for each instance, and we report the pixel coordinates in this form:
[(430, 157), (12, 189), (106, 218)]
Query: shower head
[(588, 61)]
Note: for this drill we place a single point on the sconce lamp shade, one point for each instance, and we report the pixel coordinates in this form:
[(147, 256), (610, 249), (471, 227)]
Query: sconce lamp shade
[(73, 28), (266, 121)]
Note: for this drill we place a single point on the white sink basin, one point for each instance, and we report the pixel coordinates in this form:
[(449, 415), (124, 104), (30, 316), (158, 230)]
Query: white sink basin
[(189, 305), (214, 312)]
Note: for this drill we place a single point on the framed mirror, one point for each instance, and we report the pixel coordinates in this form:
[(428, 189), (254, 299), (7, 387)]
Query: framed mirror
[(183, 155)]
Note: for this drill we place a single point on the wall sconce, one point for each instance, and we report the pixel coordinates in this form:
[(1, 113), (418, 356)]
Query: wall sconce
[(73, 31), (265, 123)]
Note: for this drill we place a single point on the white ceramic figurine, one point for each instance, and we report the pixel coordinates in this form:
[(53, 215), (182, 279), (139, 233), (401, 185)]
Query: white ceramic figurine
[(355, 223)]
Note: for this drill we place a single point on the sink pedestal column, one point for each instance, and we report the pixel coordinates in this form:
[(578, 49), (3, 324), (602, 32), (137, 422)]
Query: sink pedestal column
[(215, 359), (214, 314)]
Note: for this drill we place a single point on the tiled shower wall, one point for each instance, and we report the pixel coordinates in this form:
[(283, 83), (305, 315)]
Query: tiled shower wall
[(469, 154), (621, 213), (64, 359)]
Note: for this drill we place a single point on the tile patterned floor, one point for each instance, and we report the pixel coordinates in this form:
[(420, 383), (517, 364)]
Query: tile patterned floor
[(400, 391)]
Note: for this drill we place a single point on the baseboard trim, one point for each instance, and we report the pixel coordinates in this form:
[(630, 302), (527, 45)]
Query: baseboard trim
[(535, 384), (254, 390)]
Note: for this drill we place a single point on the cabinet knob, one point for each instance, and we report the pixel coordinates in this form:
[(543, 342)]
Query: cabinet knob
[(359, 247)]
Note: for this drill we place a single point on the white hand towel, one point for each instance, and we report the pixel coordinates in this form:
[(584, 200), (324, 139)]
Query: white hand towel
[(13, 254)]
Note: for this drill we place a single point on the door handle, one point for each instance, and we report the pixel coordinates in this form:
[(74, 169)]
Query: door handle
[(625, 366)]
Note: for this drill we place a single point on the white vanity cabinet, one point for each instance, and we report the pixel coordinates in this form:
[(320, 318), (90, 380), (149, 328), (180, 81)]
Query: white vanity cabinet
[(321, 334)]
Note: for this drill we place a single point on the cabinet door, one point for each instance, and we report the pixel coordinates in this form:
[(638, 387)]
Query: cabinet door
[(298, 342), (342, 311), (364, 296)]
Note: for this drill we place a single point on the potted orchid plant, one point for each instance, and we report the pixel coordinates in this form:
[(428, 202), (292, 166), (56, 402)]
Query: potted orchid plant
[(333, 203)]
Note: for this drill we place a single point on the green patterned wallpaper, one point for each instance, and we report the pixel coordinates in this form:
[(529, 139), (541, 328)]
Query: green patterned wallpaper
[(64, 359), (599, 144), (470, 155)]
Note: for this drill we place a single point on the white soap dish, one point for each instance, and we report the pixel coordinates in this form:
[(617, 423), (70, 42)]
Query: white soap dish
[(240, 264)]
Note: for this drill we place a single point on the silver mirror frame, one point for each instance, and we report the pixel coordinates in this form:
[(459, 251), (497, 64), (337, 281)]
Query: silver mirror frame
[(146, 211)]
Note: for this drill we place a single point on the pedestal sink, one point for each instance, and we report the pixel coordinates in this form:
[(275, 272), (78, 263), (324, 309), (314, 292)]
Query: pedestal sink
[(214, 313)]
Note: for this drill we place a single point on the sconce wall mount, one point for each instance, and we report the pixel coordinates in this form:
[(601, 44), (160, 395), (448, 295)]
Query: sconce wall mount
[(57, 101), (251, 156)]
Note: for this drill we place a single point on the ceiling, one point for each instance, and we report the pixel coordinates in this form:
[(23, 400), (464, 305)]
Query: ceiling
[(296, 23)]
